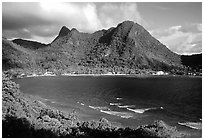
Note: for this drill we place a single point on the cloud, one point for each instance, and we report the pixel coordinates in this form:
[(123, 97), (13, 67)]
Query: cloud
[(47, 19), (22, 15), (44, 20), (160, 7), (193, 28), (112, 14), (185, 39)]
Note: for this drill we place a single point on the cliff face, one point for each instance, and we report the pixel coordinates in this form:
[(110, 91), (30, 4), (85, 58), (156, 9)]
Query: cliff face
[(127, 46)]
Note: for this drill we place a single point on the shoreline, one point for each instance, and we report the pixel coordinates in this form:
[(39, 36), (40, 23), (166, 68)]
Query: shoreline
[(49, 116), (99, 75), (87, 116), (83, 113)]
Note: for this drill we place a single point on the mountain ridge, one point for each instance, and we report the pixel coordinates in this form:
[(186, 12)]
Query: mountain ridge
[(126, 46), (29, 44)]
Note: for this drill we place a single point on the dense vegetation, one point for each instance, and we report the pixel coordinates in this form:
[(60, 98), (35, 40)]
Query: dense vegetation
[(194, 62), (28, 116), (29, 44), (14, 56), (127, 49)]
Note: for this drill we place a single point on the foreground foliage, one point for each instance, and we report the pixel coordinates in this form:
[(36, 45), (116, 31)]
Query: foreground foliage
[(27, 116)]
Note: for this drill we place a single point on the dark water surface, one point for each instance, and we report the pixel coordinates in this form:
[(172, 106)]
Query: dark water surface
[(128, 101)]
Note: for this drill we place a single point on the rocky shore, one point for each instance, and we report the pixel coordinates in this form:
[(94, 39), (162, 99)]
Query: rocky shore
[(27, 116)]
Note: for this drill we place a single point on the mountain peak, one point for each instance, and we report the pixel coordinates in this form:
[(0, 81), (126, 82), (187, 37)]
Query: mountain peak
[(123, 29), (127, 22), (74, 30), (64, 31)]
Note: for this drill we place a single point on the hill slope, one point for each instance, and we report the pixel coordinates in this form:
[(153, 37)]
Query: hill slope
[(194, 61), (127, 47), (130, 45), (15, 56), (29, 44)]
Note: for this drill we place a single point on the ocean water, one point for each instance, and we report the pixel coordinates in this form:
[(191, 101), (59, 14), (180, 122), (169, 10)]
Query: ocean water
[(126, 101)]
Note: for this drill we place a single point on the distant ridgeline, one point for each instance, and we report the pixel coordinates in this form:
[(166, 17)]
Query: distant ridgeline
[(194, 61), (127, 48)]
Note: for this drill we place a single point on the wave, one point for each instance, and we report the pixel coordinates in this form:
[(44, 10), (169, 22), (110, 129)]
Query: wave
[(144, 109), (193, 125), (42, 98), (125, 106), (117, 104), (120, 114), (119, 98), (53, 102), (81, 103), (42, 103), (99, 107)]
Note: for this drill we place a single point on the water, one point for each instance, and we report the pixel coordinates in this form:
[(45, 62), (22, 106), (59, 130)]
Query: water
[(127, 101)]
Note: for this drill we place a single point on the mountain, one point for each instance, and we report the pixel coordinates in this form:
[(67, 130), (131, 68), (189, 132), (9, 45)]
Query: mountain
[(15, 56), (194, 61), (126, 47), (130, 45), (63, 32), (29, 44)]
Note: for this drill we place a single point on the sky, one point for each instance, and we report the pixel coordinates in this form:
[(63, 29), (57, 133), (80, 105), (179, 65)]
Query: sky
[(176, 25)]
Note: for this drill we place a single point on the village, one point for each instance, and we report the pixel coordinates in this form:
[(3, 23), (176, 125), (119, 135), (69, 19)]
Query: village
[(48, 73)]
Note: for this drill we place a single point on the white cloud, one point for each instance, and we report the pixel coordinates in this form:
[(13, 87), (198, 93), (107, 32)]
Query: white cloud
[(90, 13), (193, 27), (81, 16), (44, 20), (112, 14), (181, 39)]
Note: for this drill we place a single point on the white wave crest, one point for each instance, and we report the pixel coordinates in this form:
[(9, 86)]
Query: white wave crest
[(99, 107), (119, 98), (120, 114), (144, 109), (125, 106), (80, 103), (115, 104), (53, 102), (193, 125)]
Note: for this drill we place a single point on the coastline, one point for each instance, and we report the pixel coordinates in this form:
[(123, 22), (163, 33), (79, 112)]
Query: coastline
[(32, 108), (108, 74)]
